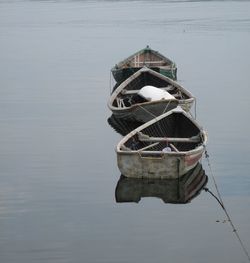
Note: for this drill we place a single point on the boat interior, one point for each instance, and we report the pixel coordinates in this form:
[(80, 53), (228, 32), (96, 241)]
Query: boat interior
[(149, 59), (129, 95), (174, 133)]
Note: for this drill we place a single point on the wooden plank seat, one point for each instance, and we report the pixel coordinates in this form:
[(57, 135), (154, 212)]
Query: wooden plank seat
[(146, 138), (149, 62)]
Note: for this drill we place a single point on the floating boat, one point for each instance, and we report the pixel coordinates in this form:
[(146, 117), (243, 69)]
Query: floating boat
[(145, 57), (176, 191), (168, 145), (147, 94)]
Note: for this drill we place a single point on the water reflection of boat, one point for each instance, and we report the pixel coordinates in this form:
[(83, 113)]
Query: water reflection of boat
[(121, 126), (181, 190)]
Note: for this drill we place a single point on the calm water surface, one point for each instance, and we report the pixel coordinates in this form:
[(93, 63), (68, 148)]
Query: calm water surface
[(57, 161)]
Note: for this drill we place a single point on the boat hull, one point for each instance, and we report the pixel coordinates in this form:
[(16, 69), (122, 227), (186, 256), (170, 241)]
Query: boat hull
[(147, 111), (162, 165)]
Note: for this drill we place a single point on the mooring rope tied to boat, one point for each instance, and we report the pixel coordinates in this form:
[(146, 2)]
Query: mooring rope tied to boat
[(220, 201), (189, 111), (195, 108), (166, 107), (154, 116), (110, 82)]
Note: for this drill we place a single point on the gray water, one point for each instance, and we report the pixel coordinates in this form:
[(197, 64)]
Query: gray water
[(58, 170)]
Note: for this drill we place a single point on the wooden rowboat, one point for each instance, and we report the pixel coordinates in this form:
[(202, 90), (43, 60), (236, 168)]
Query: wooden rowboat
[(135, 98), (169, 145), (175, 191), (145, 57)]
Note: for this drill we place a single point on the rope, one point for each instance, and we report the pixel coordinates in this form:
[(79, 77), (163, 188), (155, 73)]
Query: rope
[(194, 117), (110, 80), (220, 201), (207, 190), (166, 107), (154, 116), (195, 106), (152, 113), (191, 114), (215, 184)]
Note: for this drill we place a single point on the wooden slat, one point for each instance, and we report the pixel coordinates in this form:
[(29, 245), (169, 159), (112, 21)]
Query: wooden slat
[(125, 92), (149, 146), (150, 62), (146, 138), (173, 147), (170, 139)]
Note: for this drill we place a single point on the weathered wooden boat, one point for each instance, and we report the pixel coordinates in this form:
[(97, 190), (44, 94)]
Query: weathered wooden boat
[(145, 57), (170, 144), (147, 94), (177, 191)]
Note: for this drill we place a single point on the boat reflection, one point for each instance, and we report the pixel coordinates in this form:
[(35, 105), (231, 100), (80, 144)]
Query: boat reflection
[(121, 126), (176, 191)]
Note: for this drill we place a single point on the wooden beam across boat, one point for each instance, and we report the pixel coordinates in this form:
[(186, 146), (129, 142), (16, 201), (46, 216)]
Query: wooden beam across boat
[(150, 62), (146, 138), (126, 92)]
